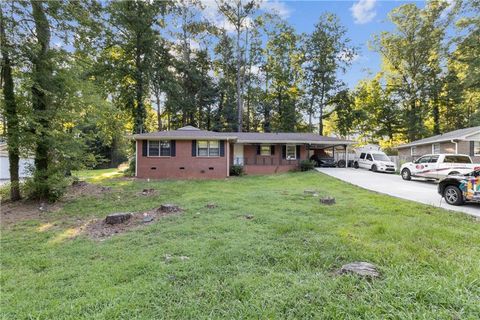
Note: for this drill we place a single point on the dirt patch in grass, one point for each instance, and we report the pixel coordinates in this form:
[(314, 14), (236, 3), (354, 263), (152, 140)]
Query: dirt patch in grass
[(98, 229), (82, 188), (18, 211)]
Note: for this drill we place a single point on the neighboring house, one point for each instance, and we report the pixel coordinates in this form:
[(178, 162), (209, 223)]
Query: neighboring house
[(463, 141), (190, 153), (24, 164)]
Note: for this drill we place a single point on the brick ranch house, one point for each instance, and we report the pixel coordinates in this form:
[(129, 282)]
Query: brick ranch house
[(463, 141), (191, 153)]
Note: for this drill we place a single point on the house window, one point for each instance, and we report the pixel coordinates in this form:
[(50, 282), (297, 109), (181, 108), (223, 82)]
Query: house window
[(291, 152), (436, 148), (159, 148), (265, 150), (208, 148), (413, 151), (476, 148)]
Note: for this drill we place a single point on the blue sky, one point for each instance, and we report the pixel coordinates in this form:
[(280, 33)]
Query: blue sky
[(362, 18)]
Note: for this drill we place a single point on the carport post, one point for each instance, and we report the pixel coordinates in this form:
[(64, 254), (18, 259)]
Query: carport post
[(346, 156)]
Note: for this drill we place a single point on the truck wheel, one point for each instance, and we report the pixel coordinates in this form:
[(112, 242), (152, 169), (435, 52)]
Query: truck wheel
[(453, 195), (341, 164), (374, 168), (355, 165), (406, 174)]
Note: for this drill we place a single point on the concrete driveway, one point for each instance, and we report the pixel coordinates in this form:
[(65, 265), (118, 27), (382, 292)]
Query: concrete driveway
[(416, 190)]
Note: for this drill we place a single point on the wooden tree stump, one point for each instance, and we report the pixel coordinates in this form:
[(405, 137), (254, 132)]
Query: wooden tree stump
[(117, 218), (169, 208), (327, 201), (364, 269), (146, 192)]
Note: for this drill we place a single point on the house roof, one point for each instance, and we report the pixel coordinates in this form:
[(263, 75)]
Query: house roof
[(189, 133), (461, 134)]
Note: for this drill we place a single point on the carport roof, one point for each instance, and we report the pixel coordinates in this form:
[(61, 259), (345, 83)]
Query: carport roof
[(190, 133), (461, 134)]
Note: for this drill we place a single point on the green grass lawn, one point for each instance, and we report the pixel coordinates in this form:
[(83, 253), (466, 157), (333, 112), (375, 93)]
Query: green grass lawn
[(278, 265)]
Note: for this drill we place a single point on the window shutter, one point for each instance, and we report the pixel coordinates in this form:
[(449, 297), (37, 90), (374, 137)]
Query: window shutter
[(272, 149), (173, 148), (298, 152), (258, 150), (144, 147), (222, 148), (284, 152), (472, 148), (194, 148)]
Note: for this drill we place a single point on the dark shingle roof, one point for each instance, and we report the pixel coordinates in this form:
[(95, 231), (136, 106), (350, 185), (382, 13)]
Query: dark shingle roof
[(189, 132), (460, 134)]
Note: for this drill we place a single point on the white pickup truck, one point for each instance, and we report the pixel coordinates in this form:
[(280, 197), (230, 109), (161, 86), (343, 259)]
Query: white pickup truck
[(438, 166)]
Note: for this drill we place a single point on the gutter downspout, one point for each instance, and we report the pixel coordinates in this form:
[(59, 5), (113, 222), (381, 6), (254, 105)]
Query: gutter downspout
[(456, 145), (136, 158), (228, 158)]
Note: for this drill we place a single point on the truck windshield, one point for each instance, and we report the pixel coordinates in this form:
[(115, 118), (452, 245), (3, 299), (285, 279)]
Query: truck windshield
[(457, 159), (380, 157)]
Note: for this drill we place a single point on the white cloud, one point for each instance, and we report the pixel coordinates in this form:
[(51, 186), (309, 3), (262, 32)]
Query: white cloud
[(277, 7), (363, 11)]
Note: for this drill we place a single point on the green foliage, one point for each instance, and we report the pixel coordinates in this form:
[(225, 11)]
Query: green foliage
[(50, 189), (307, 165), (327, 52), (236, 170)]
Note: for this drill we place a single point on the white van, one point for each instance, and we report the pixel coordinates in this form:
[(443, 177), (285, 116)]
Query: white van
[(376, 161)]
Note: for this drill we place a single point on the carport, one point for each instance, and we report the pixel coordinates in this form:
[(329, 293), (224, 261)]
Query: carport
[(337, 151)]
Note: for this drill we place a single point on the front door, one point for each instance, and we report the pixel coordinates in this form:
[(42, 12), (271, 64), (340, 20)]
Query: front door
[(238, 154)]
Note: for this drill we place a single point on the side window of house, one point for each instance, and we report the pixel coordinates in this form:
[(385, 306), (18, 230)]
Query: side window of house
[(413, 151), (159, 148), (362, 156), (165, 148), (369, 157), (476, 148), (265, 150), (213, 149), (291, 152), (208, 148), (436, 148), (153, 148)]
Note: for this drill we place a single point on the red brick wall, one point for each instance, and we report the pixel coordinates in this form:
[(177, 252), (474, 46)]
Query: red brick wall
[(269, 164), (169, 167)]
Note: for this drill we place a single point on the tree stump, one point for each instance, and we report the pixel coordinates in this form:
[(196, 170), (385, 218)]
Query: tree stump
[(79, 183), (364, 269), (146, 192), (117, 218), (211, 206), (327, 201), (169, 208)]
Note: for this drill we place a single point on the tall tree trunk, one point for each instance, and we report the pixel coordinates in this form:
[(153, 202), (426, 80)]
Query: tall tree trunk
[(42, 73), (11, 115), (159, 114), (436, 113), (239, 76), (320, 117), (140, 112)]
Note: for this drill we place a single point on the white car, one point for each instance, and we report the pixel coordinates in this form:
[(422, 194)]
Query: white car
[(377, 161), (438, 166)]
